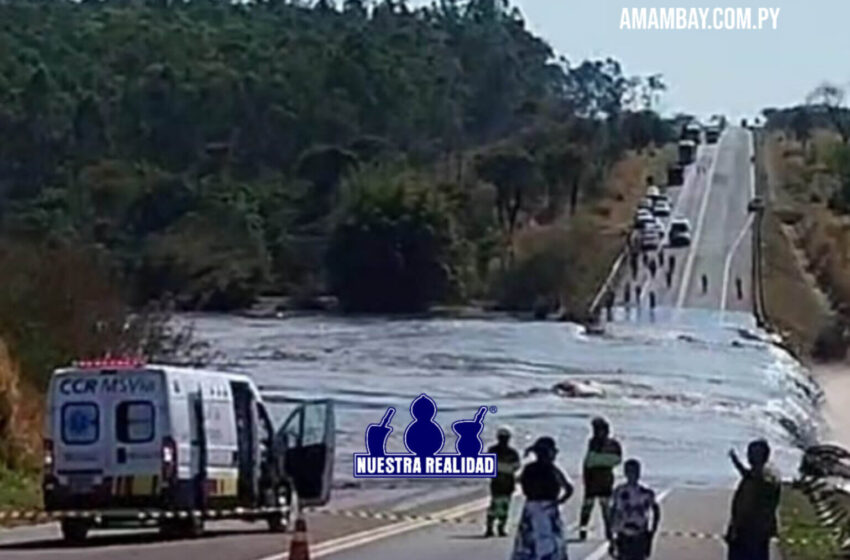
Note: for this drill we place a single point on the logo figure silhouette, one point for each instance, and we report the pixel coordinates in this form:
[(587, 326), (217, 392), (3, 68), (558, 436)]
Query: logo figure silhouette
[(423, 436), (468, 431), (377, 435)]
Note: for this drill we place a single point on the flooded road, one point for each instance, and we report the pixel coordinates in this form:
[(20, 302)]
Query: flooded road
[(678, 391)]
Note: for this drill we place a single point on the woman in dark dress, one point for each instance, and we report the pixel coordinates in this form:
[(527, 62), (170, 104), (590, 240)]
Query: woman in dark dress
[(541, 530)]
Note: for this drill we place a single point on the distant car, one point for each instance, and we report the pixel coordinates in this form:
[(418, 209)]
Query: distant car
[(755, 204), (645, 204), (651, 238), (661, 208), (642, 218), (675, 175), (680, 233)]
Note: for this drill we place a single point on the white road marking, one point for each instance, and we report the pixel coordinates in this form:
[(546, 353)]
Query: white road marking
[(602, 551), (354, 540), (692, 253), (727, 265)]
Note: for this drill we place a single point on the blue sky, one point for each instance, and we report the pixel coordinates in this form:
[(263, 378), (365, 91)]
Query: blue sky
[(734, 72)]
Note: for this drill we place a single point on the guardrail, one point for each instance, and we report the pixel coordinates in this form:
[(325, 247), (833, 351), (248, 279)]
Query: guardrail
[(757, 269), (607, 285)]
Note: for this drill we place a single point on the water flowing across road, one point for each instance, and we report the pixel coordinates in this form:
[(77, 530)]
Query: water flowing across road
[(679, 390)]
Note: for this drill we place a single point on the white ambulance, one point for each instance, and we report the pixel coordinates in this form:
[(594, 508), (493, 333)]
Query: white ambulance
[(130, 442)]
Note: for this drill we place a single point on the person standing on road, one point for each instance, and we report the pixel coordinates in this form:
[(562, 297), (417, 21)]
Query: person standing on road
[(672, 262), (631, 534), (502, 486), (669, 278), (753, 520), (541, 530), (637, 295), (603, 455), (652, 300), (740, 287), (704, 283), (652, 268), (610, 300), (627, 294)]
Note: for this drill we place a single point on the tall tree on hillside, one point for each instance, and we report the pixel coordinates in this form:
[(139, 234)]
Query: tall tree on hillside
[(801, 125), (831, 97), (513, 173)]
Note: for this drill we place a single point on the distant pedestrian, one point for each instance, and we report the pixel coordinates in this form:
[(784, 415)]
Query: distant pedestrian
[(740, 287), (603, 455), (632, 504), (753, 520), (633, 261), (541, 531), (652, 300), (704, 283), (502, 487), (652, 267), (627, 294), (672, 262), (669, 278), (661, 258), (637, 294)]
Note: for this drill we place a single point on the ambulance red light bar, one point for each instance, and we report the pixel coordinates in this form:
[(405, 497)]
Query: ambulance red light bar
[(110, 363)]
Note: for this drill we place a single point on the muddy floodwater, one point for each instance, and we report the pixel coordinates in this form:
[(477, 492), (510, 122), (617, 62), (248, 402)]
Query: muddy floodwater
[(679, 390)]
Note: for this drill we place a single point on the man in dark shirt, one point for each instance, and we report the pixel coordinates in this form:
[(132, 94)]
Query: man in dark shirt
[(502, 486), (603, 455), (753, 520)]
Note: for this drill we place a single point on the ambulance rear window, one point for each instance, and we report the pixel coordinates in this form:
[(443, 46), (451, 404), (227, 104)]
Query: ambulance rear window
[(80, 423), (135, 422)]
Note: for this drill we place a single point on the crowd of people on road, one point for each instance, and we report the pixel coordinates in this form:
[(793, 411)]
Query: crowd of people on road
[(630, 511)]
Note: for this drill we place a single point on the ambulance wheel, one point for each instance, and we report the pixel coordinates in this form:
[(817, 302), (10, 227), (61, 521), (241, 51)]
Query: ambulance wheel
[(184, 528), (74, 531), (192, 528), (276, 523)]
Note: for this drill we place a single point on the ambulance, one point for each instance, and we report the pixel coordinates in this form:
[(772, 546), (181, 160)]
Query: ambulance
[(128, 442)]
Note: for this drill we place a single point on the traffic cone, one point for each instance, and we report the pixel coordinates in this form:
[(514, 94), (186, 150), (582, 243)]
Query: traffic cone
[(299, 546)]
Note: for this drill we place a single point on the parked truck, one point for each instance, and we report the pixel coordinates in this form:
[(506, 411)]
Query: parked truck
[(687, 152)]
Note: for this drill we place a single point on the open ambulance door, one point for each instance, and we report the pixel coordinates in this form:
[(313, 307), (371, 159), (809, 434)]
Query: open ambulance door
[(306, 442)]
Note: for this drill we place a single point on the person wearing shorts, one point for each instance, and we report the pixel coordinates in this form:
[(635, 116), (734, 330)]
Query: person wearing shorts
[(632, 504)]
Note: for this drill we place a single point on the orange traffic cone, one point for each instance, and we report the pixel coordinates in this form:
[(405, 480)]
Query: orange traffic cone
[(299, 547)]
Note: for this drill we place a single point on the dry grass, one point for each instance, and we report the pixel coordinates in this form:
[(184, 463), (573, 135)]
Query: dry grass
[(791, 300), (20, 416), (806, 245)]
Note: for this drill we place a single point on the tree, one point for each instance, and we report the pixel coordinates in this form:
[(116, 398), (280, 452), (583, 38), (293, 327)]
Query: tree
[(801, 125), (324, 167), (392, 248), (830, 97), (562, 166), (514, 174)]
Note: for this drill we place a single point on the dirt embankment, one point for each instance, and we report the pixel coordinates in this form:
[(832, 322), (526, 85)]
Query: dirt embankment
[(806, 272), (807, 269)]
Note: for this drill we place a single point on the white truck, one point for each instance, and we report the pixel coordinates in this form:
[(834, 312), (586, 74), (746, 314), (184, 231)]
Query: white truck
[(133, 443)]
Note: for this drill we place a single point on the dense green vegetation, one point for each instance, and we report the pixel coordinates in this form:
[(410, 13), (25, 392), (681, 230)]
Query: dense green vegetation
[(212, 151)]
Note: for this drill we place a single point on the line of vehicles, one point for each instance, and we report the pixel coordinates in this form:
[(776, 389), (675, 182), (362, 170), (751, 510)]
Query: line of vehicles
[(649, 228)]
